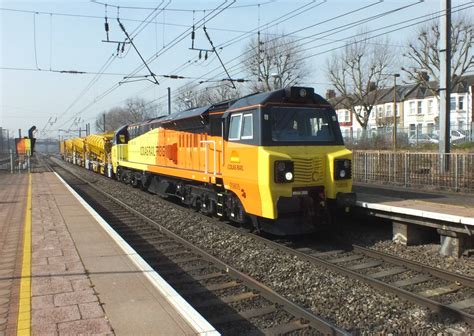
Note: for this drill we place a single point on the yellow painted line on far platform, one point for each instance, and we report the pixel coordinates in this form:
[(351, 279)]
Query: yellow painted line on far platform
[(24, 311)]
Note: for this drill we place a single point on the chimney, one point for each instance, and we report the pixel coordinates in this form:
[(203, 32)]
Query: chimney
[(330, 94), (423, 76)]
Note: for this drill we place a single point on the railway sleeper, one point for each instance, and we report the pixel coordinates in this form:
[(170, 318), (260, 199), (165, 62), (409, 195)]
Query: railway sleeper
[(226, 300), (245, 315)]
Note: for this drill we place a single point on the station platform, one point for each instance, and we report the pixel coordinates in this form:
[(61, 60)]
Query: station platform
[(64, 271), (452, 214)]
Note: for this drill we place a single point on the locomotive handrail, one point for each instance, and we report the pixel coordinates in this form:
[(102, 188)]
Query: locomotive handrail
[(207, 157)]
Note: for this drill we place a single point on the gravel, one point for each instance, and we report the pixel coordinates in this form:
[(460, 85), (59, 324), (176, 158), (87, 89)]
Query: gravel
[(377, 235), (348, 303)]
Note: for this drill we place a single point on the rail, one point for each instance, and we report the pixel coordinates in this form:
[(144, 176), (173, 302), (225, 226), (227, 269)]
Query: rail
[(334, 260), (134, 229)]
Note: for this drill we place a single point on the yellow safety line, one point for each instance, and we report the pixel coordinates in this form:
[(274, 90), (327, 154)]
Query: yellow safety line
[(24, 311)]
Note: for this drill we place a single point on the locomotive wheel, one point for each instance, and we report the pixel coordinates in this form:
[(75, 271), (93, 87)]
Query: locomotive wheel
[(143, 183), (134, 181), (197, 204), (125, 177), (207, 207)]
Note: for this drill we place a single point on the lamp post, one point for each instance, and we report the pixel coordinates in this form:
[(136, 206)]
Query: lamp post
[(394, 120), (395, 110)]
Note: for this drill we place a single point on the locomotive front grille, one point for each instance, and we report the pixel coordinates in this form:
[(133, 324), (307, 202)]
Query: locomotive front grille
[(309, 171)]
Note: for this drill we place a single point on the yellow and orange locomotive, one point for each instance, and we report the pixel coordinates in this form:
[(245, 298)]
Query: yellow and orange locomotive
[(276, 159)]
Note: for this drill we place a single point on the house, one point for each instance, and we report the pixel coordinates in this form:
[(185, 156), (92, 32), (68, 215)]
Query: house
[(417, 110)]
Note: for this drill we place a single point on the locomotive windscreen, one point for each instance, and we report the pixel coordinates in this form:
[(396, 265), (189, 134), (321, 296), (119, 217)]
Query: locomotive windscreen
[(293, 124)]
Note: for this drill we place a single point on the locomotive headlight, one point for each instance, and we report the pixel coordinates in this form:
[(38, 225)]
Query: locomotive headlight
[(302, 93), (284, 171), (342, 169), (281, 166)]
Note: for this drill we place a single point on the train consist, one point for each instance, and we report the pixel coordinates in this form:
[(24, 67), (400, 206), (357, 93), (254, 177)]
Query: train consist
[(275, 159)]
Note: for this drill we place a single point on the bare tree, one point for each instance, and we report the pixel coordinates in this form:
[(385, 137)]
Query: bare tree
[(358, 72), (423, 53), (191, 97), (274, 63), (222, 92), (135, 110)]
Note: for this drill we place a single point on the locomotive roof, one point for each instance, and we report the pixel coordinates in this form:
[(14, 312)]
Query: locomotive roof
[(199, 111), (282, 95)]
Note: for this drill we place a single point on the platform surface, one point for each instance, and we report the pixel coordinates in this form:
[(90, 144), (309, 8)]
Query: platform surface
[(13, 189), (449, 204), (82, 281)]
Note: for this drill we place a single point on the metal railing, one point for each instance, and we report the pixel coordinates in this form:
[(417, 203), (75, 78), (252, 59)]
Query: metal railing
[(422, 170), (382, 137)]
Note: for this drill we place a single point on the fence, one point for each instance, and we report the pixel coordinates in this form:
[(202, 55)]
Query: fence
[(425, 170), (415, 135)]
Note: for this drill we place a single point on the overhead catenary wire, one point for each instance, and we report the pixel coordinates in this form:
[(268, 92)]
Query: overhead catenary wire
[(364, 7), (102, 69), (179, 38), (238, 57), (219, 9), (96, 17), (378, 35), (183, 9), (430, 17), (232, 71), (288, 34), (285, 17)]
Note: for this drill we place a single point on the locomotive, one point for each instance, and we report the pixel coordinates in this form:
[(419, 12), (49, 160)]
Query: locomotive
[(274, 159)]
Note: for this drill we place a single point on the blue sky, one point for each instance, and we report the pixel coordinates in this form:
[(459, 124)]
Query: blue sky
[(74, 43)]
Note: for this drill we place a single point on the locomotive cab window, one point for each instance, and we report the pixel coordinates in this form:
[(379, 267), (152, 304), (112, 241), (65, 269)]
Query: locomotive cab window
[(241, 126), (291, 124), (234, 129), (247, 126)]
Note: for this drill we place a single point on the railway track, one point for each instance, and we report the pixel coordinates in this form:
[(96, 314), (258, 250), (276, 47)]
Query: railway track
[(230, 300), (440, 291)]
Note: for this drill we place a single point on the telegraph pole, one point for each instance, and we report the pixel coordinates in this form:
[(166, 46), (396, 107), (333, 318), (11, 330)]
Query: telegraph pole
[(445, 83)]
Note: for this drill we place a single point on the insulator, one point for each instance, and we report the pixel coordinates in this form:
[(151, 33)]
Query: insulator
[(192, 35), (106, 26), (123, 47), (205, 56), (200, 54), (118, 47)]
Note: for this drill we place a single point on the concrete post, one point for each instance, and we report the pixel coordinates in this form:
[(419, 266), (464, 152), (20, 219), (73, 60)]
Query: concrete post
[(453, 243)]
